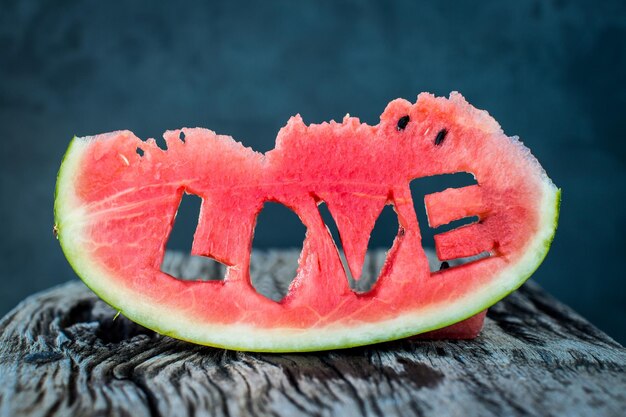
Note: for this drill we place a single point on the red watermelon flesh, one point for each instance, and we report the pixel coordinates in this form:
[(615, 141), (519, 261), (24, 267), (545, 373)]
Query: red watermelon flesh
[(466, 329), (117, 197)]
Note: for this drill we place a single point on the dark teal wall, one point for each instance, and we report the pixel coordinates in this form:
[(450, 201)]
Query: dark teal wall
[(551, 72)]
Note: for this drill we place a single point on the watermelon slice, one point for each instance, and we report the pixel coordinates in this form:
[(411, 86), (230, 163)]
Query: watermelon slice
[(117, 197)]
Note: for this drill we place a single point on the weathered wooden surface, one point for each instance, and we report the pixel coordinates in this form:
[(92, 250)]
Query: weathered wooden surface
[(63, 354)]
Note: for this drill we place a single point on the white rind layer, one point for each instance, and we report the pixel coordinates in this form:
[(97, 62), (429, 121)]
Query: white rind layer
[(70, 218)]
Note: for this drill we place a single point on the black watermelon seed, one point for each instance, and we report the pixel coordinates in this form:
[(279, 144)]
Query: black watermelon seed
[(402, 122), (441, 136), (444, 265)]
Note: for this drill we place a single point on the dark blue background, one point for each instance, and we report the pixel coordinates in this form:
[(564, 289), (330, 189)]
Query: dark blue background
[(551, 72)]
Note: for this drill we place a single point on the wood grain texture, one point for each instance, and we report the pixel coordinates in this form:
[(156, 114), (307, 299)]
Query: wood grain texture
[(62, 353)]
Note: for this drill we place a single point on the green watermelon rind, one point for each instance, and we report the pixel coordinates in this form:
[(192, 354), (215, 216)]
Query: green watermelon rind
[(67, 212)]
